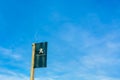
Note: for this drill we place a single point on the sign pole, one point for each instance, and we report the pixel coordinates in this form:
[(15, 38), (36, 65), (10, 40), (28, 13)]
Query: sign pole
[(32, 65)]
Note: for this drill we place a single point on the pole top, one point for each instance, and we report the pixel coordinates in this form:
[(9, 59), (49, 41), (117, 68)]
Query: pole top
[(33, 44)]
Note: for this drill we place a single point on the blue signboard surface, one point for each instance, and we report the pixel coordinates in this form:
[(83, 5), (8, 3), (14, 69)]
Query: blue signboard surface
[(40, 55)]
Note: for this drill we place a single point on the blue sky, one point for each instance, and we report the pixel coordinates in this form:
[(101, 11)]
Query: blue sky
[(83, 39)]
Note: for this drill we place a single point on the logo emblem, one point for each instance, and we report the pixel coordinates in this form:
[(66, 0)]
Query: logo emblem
[(40, 51)]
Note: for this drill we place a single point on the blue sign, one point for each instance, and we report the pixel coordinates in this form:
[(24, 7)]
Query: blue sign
[(40, 55)]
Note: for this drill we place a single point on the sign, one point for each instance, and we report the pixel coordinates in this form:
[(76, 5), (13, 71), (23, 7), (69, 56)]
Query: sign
[(40, 55)]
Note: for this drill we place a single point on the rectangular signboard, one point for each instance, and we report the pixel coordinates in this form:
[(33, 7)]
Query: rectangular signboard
[(40, 55)]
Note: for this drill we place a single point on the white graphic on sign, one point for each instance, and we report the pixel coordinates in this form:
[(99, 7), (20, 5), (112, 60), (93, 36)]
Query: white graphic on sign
[(40, 51)]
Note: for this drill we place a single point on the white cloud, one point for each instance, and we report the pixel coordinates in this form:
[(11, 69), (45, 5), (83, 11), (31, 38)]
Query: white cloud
[(10, 53), (9, 77), (100, 58), (5, 50), (6, 74)]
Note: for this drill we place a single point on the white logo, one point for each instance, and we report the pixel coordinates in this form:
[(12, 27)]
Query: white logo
[(40, 51)]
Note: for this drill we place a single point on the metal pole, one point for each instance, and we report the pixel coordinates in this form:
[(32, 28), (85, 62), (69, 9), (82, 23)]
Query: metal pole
[(32, 65)]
